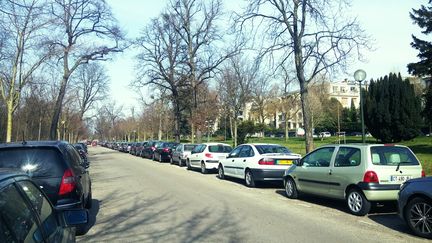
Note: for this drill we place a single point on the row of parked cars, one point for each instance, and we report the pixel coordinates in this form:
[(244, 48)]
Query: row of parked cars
[(45, 191), (360, 174)]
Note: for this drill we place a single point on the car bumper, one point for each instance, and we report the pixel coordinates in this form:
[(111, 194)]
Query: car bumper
[(268, 174), (211, 164), (380, 192)]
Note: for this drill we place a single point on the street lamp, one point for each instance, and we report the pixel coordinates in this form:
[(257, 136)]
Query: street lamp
[(359, 76)]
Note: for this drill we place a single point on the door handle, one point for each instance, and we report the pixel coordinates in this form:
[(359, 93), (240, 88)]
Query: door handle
[(232, 160), (330, 172), (244, 160)]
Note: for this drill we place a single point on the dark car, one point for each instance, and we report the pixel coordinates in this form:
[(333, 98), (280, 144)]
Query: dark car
[(149, 148), (82, 154), (26, 214), (55, 166), (415, 205), (164, 150)]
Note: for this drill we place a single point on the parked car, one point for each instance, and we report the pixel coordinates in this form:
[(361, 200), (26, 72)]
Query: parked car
[(257, 162), (357, 173), (140, 148), (26, 214), (149, 148), (55, 166), (163, 151), (82, 154), (134, 148), (206, 156), (415, 205), (324, 134), (181, 152)]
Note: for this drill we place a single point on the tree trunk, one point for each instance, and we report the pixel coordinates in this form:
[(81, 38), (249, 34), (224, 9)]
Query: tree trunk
[(9, 125), (235, 133), (286, 129), (58, 108), (306, 120)]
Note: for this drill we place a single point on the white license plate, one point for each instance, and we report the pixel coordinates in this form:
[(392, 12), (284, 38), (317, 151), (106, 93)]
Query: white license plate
[(399, 178), (221, 157)]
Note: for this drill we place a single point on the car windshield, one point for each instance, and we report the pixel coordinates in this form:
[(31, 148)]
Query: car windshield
[(392, 156), (272, 149), (219, 149), (169, 145), (189, 147), (34, 161)]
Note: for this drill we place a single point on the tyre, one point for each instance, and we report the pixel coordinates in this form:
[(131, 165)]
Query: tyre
[(357, 203), (171, 161), (153, 157), (189, 167), (180, 163), (160, 158), (291, 188), (203, 168), (88, 204), (418, 216), (221, 173), (249, 179)]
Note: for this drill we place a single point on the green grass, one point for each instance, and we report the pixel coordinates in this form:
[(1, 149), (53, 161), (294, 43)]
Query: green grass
[(421, 146)]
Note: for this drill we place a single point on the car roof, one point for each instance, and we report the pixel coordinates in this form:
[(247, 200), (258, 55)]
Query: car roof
[(57, 143), (263, 144), (217, 144), (364, 145)]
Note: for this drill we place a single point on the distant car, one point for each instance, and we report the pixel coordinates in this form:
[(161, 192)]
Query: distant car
[(163, 151), (181, 153), (149, 148), (82, 154), (415, 205), (257, 162), (357, 173), (26, 214), (206, 156), (324, 134), (55, 166)]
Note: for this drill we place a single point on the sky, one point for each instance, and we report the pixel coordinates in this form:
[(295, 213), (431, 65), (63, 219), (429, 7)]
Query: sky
[(386, 21)]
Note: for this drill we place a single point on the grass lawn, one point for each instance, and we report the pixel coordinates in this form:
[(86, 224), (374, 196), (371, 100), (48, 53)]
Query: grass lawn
[(421, 146)]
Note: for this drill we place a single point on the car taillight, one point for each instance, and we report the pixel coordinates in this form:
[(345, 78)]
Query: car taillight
[(370, 177), (67, 184), (153, 148), (208, 155), (165, 149), (266, 161), (423, 174)]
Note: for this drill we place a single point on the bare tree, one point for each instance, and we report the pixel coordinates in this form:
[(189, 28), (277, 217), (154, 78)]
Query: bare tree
[(87, 32), (22, 50), (200, 35), (160, 63), (314, 35)]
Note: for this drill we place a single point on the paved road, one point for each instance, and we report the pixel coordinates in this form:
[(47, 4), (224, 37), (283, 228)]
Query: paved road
[(138, 200)]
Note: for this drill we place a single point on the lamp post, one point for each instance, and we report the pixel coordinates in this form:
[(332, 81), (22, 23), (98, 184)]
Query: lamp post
[(360, 76)]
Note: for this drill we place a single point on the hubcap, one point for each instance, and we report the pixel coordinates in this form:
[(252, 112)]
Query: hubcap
[(355, 201), (248, 178), (289, 188), (203, 168), (421, 217), (220, 172)]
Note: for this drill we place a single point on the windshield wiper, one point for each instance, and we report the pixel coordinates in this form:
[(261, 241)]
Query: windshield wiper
[(398, 165)]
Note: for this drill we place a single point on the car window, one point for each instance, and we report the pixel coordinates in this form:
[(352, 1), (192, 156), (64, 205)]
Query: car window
[(37, 162), (235, 153), (392, 156), (319, 158), (219, 148), (347, 157), (198, 148), (271, 149), (74, 159), (41, 206), (17, 217), (246, 152), (189, 147)]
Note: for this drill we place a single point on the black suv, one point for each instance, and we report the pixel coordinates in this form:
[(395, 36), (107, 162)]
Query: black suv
[(55, 166), (26, 215)]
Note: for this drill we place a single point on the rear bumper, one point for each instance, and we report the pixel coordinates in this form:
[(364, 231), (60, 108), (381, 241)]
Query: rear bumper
[(379, 192), (211, 164), (268, 174)]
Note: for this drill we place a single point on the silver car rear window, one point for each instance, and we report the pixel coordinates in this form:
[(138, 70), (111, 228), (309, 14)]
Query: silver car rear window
[(272, 149), (392, 156)]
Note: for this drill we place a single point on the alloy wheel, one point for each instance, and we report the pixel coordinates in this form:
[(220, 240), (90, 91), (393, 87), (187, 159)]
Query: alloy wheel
[(355, 201), (420, 217)]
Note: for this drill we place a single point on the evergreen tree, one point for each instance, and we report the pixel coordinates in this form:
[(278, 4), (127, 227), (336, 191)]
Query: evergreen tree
[(392, 111), (427, 111), (353, 113)]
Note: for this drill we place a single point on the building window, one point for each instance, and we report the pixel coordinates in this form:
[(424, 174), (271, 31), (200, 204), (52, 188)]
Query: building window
[(335, 89)]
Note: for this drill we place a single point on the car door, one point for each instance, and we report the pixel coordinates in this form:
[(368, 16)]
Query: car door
[(313, 174), (194, 158), (243, 160), (176, 153), (81, 174), (230, 162)]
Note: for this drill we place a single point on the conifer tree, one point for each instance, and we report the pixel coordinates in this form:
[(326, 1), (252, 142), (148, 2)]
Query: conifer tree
[(392, 111)]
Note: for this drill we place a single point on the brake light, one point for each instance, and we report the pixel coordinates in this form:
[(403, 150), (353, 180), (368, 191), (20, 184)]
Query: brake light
[(165, 149), (370, 177), (266, 161), (423, 174), (388, 144), (153, 148), (208, 155), (67, 184)]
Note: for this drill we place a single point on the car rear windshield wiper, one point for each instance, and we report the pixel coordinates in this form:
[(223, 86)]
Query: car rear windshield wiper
[(398, 165)]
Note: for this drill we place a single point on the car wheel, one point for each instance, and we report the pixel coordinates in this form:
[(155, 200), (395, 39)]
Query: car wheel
[(160, 158), (88, 204), (249, 179), (153, 157), (221, 173), (291, 189), (418, 216), (171, 161), (357, 203), (203, 168), (180, 163), (189, 167)]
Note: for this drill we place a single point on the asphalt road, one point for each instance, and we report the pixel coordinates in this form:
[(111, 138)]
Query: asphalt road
[(138, 200)]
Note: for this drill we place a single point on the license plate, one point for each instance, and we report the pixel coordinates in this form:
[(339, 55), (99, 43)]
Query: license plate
[(221, 157), (285, 162), (399, 178)]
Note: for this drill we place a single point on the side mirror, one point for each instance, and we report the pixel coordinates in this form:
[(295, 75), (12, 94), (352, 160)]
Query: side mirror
[(298, 162), (74, 217)]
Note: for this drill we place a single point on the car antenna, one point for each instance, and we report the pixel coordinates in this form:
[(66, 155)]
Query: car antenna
[(24, 142)]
